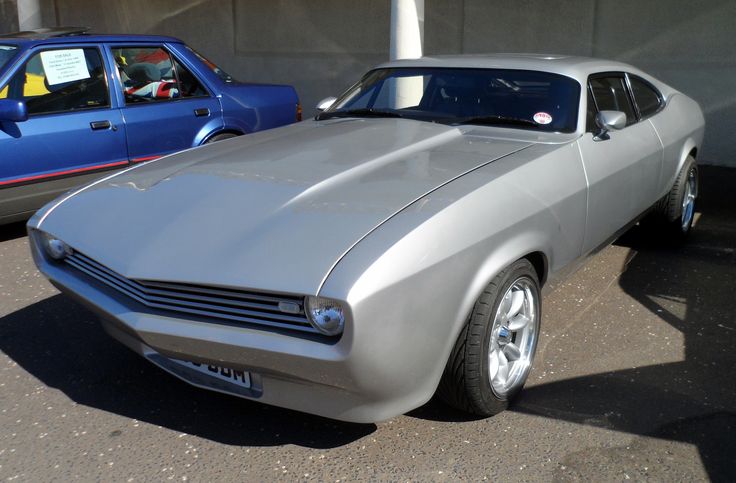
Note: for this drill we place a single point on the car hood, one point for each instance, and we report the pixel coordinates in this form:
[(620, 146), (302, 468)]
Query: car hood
[(271, 211)]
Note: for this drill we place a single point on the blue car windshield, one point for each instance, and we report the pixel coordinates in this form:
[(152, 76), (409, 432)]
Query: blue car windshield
[(520, 99), (7, 52)]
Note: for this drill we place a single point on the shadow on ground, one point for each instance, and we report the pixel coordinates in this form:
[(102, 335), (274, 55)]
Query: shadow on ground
[(63, 345), (12, 231), (691, 401)]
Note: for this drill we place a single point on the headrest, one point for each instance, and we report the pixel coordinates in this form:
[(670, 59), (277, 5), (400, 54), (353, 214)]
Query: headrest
[(143, 72)]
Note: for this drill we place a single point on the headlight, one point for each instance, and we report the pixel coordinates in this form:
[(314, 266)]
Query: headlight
[(326, 315), (54, 248)]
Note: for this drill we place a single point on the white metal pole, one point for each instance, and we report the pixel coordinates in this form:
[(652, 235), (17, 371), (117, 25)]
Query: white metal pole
[(407, 29), (29, 14), (407, 38)]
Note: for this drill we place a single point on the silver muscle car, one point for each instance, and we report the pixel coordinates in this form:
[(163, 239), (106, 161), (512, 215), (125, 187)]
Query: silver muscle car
[(392, 248)]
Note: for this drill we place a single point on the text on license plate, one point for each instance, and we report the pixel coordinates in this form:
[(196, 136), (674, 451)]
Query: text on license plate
[(241, 378)]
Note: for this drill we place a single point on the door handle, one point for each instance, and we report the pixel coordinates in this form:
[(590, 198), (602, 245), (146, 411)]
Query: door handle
[(201, 112), (99, 125)]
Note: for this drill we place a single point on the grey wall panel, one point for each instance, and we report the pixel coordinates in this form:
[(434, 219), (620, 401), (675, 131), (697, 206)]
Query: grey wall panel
[(8, 16), (443, 26), (529, 26), (206, 24), (689, 45), (323, 46), (314, 26)]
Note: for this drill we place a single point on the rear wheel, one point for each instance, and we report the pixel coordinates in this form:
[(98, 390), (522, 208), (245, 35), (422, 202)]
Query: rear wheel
[(493, 355), (677, 210), (220, 137)]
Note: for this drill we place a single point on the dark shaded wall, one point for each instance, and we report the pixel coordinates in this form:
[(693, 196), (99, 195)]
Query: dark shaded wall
[(8, 16), (686, 43), (322, 46)]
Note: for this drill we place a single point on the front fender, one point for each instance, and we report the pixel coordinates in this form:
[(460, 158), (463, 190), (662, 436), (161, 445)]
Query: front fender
[(412, 282)]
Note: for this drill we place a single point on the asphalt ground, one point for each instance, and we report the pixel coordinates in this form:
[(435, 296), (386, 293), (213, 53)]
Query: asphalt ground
[(633, 380)]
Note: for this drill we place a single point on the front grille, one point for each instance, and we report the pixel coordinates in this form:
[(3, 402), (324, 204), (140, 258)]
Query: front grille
[(204, 301)]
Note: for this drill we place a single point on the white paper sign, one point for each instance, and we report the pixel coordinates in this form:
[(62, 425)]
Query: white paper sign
[(64, 65)]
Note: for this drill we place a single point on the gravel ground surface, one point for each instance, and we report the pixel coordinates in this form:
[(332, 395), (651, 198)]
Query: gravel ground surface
[(634, 380)]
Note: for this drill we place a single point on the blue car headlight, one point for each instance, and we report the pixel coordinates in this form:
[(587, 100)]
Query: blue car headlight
[(326, 315), (55, 248)]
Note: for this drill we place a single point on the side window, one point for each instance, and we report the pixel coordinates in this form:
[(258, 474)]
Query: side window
[(60, 80), (647, 98), (590, 125), (151, 74), (188, 84), (610, 95)]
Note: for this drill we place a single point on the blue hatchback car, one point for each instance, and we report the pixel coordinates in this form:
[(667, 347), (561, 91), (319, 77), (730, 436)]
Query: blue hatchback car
[(73, 105)]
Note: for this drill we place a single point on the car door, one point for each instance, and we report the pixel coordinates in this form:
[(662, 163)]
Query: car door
[(165, 106), (72, 127), (623, 170)]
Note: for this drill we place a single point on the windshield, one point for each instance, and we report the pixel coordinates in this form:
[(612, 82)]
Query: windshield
[(520, 99), (6, 53), (219, 72)]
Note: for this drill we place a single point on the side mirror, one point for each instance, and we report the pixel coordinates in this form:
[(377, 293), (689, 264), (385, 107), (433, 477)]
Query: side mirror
[(325, 103), (608, 120), (13, 111)]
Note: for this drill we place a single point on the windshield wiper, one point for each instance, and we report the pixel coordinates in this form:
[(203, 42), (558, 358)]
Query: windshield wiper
[(494, 120), (363, 112)]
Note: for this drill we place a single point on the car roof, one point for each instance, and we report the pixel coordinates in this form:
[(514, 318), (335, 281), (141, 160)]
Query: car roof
[(62, 35), (577, 67)]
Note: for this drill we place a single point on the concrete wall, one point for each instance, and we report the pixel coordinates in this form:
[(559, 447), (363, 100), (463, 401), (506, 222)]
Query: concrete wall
[(686, 43), (8, 16), (322, 46)]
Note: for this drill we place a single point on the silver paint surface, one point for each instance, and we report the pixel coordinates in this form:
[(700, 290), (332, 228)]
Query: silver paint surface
[(405, 221)]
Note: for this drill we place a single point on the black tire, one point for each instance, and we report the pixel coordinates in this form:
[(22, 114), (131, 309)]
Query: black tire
[(465, 383), (668, 214), (220, 137)]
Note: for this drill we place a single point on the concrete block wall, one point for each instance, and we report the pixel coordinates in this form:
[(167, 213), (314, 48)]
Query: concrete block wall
[(8, 16), (323, 46)]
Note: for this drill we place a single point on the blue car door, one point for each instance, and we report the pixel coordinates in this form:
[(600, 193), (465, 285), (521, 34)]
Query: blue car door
[(72, 128), (165, 106)]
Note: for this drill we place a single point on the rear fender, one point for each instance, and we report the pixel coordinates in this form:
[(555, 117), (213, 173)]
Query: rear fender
[(208, 130)]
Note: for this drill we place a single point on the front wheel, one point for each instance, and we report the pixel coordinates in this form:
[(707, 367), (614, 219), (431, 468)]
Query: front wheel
[(493, 355)]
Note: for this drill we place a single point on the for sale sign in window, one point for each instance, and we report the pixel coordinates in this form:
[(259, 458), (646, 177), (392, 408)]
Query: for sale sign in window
[(64, 66)]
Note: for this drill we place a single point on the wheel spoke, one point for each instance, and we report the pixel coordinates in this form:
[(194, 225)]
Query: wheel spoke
[(493, 363), (512, 352), (503, 369), (517, 302), (503, 308), (513, 336), (518, 322)]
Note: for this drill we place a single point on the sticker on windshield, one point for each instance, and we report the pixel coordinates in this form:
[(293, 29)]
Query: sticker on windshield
[(64, 65), (542, 118)]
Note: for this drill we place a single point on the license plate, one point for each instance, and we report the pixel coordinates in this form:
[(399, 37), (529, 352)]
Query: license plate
[(241, 378)]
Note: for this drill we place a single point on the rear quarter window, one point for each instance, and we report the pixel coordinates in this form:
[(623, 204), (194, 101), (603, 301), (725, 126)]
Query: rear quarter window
[(647, 98)]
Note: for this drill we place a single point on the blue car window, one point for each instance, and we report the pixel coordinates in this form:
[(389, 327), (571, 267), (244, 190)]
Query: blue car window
[(147, 74), (61, 80), (7, 52), (189, 86), (211, 65), (151, 74)]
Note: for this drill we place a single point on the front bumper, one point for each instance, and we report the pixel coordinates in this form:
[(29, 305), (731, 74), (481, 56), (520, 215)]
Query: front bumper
[(358, 378)]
